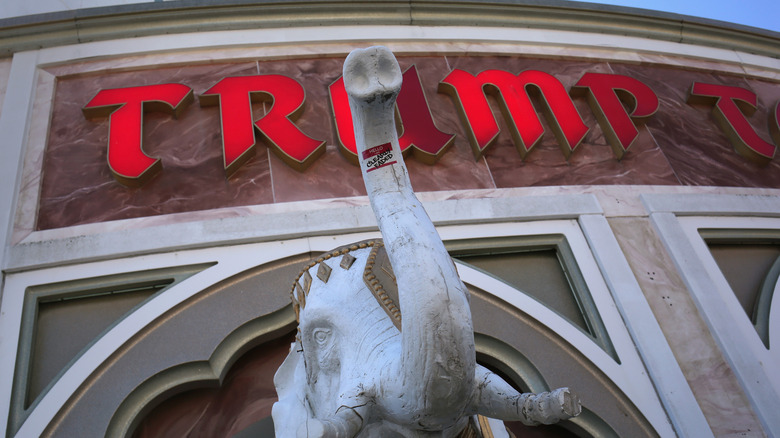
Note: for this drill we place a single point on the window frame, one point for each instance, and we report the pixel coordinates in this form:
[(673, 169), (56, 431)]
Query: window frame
[(679, 221)]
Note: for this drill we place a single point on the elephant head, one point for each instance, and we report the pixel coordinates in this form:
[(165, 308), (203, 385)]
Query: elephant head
[(367, 362)]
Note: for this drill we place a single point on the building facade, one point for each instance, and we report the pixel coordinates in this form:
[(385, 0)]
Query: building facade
[(605, 179)]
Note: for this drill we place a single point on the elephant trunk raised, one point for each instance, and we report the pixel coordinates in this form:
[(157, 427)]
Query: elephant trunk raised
[(351, 372), (437, 337)]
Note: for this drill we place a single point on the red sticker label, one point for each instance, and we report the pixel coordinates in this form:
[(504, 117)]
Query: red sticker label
[(378, 156)]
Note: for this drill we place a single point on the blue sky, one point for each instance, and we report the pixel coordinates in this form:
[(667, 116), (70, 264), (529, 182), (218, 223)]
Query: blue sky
[(757, 13)]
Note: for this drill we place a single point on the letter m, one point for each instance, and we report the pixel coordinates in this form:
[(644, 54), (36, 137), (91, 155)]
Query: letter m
[(469, 93)]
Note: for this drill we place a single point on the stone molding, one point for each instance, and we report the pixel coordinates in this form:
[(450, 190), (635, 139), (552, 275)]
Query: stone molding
[(159, 18)]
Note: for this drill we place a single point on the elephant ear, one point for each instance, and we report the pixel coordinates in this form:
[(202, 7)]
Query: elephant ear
[(290, 411)]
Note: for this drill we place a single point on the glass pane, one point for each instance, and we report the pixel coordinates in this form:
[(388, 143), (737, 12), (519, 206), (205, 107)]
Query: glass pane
[(537, 273)]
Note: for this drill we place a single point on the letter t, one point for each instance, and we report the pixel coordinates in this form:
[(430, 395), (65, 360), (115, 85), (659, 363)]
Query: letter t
[(125, 106), (730, 106)]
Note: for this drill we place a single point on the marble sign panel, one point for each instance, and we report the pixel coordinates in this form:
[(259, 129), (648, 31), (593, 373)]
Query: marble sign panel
[(697, 149), (680, 145), (78, 186)]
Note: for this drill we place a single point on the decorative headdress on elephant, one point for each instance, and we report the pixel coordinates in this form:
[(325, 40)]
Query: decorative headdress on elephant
[(358, 368), (377, 275)]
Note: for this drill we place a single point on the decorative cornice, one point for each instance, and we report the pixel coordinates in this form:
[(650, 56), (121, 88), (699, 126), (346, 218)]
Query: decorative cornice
[(159, 18)]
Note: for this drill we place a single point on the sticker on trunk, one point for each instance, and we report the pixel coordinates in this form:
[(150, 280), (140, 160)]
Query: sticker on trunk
[(378, 156)]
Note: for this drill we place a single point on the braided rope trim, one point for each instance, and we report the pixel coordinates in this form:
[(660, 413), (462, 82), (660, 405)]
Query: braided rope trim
[(378, 289)]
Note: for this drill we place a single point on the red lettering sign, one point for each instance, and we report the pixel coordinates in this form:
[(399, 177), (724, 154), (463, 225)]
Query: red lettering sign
[(606, 94), (125, 107), (512, 92), (619, 102), (730, 106), (235, 95), (419, 133)]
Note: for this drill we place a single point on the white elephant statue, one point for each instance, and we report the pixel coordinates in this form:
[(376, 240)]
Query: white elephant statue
[(359, 366)]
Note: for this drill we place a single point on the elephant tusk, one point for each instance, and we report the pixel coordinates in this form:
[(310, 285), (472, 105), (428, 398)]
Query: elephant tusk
[(346, 423)]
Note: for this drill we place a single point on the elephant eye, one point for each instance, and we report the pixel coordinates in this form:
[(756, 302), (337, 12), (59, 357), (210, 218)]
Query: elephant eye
[(321, 335)]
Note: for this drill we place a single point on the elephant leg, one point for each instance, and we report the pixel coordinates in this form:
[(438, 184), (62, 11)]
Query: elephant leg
[(495, 398)]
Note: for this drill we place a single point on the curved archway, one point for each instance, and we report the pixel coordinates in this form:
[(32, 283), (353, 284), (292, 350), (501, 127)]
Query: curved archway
[(240, 404), (195, 344), (552, 358)]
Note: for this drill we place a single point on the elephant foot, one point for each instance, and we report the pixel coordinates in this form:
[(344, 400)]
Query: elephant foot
[(371, 74), (550, 407)]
